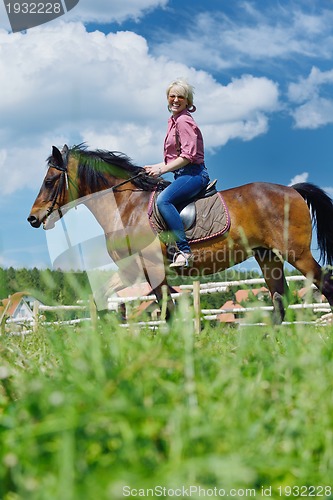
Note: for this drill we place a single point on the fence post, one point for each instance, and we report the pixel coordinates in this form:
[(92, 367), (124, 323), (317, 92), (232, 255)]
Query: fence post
[(164, 302), (35, 313), (93, 311), (196, 306)]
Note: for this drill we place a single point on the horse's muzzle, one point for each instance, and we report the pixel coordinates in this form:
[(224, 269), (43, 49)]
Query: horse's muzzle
[(34, 221)]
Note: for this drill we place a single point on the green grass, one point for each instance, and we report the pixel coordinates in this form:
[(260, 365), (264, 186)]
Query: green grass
[(85, 413)]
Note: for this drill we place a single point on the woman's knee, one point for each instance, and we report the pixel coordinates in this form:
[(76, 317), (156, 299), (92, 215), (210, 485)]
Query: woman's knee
[(162, 201)]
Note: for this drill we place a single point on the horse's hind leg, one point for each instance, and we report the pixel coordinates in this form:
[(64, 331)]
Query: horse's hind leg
[(272, 268), (310, 268), (327, 286)]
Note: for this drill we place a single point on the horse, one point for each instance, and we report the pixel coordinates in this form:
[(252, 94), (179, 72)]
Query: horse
[(269, 221)]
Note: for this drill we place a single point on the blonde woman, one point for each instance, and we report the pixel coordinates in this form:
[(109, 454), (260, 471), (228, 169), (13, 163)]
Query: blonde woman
[(184, 156)]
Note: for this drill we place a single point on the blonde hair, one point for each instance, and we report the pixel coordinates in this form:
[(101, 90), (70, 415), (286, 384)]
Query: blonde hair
[(184, 88)]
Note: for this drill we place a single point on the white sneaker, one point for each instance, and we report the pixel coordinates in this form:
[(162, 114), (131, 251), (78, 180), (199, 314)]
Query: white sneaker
[(181, 259)]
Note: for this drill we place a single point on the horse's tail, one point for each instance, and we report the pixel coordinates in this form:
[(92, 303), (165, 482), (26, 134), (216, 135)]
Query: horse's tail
[(321, 207)]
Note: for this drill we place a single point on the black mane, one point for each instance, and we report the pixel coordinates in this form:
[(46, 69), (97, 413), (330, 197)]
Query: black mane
[(94, 166)]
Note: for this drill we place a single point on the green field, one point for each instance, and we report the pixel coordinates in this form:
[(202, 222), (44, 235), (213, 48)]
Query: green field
[(117, 413)]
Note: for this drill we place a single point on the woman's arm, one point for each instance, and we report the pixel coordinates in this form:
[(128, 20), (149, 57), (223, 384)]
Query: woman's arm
[(161, 168)]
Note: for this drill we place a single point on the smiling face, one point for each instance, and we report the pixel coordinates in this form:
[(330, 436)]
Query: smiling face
[(177, 101)]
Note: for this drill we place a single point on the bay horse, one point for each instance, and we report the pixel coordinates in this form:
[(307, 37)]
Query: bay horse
[(271, 222)]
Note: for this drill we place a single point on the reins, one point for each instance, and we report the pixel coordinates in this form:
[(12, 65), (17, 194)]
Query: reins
[(127, 180)]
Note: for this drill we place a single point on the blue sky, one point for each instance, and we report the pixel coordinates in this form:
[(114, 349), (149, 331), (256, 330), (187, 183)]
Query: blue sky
[(263, 78)]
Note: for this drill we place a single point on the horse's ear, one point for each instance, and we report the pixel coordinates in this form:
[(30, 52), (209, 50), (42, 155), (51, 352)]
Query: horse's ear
[(65, 150), (56, 155)]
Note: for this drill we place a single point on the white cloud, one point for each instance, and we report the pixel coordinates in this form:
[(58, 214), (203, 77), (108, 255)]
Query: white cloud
[(308, 88), (24, 167), (274, 32), (312, 110), (104, 11), (246, 130), (239, 109), (299, 178), (137, 141), (63, 84), (315, 113), (99, 11)]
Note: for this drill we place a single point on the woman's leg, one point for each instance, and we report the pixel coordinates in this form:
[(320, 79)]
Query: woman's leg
[(181, 189)]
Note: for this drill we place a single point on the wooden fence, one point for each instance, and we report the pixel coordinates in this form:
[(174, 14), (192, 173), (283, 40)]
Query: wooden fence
[(196, 289)]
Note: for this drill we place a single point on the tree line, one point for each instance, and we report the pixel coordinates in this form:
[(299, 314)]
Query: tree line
[(48, 286), (59, 287)]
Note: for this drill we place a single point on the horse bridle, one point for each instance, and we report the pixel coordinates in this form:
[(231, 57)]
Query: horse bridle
[(64, 180)]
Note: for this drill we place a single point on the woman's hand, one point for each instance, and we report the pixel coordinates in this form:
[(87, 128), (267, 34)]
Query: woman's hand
[(161, 168), (154, 170)]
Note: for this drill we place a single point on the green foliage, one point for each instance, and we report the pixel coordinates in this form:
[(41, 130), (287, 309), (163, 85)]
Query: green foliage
[(85, 413), (46, 285)]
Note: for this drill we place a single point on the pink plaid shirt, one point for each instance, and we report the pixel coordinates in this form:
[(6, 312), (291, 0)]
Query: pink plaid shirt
[(190, 142)]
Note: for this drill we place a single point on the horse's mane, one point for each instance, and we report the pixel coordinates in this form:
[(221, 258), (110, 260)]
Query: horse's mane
[(95, 166)]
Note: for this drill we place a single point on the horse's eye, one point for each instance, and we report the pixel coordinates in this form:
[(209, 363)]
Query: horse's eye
[(48, 182)]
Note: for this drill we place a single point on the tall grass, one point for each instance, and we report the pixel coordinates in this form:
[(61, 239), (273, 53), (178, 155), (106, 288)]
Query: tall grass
[(86, 413)]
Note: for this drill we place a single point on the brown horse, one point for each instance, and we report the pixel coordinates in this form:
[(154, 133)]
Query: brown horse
[(268, 221)]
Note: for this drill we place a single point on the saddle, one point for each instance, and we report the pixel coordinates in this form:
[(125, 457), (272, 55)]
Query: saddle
[(204, 217), (188, 213)]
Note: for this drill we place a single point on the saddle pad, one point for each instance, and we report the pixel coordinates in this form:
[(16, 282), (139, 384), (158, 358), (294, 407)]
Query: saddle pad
[(212, 218)]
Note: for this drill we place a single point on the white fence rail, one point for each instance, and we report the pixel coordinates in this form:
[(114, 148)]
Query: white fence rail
[(205, 288), (196, 289)]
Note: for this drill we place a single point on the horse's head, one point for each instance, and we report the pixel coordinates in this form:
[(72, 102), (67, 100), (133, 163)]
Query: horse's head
[(54, 192), (78, 172)]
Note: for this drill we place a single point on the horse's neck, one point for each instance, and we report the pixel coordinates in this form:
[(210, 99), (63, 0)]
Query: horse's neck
[(112, 210)]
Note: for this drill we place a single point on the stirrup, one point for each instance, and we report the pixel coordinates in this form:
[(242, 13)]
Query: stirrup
[(180, 259)]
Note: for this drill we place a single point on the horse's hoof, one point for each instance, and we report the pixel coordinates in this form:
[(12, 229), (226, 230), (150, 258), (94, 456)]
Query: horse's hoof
[(279, 312)]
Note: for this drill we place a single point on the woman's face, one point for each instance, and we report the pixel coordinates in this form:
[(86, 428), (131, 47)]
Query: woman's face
[(176, 100)]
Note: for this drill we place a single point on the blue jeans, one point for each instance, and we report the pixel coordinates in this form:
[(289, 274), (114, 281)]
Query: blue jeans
[(189, 181)]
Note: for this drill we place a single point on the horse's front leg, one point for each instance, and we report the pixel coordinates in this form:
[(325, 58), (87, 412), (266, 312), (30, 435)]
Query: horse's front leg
[(165, 301), (153, 263)]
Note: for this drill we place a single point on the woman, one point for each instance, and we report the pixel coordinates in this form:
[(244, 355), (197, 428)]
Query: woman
[(183, 155)]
